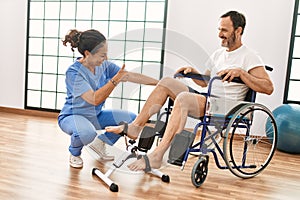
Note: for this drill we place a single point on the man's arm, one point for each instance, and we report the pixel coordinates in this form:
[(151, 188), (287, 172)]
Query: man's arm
[(257, 78)]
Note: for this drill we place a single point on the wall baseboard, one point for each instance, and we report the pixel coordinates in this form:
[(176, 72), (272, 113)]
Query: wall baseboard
[(29, 112)]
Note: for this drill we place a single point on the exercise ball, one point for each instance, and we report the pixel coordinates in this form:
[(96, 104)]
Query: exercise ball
[(287, 117)]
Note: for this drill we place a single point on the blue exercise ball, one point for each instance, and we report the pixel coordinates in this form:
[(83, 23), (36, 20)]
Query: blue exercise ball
[(287, 117)]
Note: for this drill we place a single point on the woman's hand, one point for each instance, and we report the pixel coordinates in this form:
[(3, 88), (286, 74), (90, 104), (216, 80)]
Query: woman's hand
[(122, 75)]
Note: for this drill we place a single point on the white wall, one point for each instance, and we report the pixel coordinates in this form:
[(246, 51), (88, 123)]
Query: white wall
[(267, 31), (13, 14)]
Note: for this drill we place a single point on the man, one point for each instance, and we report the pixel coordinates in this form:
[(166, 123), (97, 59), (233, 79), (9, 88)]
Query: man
[(234, 60)]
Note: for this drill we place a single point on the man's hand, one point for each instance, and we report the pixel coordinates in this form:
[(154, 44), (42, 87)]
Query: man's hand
[(186, 70), (230, 74)]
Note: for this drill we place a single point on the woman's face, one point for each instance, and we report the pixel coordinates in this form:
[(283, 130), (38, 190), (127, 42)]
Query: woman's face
[(97, 58)]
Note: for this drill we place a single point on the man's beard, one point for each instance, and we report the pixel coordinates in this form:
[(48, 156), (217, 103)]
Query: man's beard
[(230, 41)]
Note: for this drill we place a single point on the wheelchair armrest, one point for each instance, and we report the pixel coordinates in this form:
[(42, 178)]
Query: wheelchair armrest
[(203, 77), (206, 78), (235, 79), (239, 80), (204, 93), (191, 75)]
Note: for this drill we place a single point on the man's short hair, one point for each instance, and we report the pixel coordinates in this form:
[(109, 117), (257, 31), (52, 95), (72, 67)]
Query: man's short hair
[(238, 19)]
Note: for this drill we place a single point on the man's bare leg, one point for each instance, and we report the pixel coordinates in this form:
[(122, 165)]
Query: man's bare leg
[(167, 87), (186, 103)]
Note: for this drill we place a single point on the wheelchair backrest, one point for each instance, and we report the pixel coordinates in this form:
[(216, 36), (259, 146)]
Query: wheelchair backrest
[(250, 96)]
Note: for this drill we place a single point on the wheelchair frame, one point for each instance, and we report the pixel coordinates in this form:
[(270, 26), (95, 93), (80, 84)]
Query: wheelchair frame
[(227, 127)]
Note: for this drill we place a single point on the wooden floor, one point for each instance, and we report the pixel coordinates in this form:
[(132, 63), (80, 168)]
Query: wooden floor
[(34, 165)]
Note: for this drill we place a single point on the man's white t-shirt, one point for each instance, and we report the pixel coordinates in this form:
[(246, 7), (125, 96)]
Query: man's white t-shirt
[(243, 58), (229, 94)]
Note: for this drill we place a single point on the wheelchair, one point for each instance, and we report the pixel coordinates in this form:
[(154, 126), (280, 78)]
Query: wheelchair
[(248, 131)]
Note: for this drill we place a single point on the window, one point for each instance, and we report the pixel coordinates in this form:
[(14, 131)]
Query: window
[(135, 33), (292, 86)]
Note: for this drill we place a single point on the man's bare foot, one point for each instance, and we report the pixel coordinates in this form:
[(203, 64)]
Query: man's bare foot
[(132, 132), (115, 129), (139, 165)]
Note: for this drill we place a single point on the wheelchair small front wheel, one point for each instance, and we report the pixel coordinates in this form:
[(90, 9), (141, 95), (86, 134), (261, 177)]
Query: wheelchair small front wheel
[(199, 171)]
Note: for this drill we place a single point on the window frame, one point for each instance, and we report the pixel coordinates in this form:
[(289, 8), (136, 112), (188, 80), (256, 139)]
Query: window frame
[(291, 57), (57, 92)]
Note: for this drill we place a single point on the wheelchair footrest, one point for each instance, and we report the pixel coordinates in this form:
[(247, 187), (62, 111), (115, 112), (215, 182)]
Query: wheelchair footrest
[(179, 145)]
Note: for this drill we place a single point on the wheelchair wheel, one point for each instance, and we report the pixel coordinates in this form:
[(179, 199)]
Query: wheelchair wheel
[(249, 144), (199, 171)]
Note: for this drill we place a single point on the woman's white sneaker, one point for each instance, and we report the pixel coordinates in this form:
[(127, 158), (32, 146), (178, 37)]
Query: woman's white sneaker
[(99, 147), (76, 161)]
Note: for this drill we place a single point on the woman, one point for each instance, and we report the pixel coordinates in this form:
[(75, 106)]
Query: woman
[(89, 81)]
